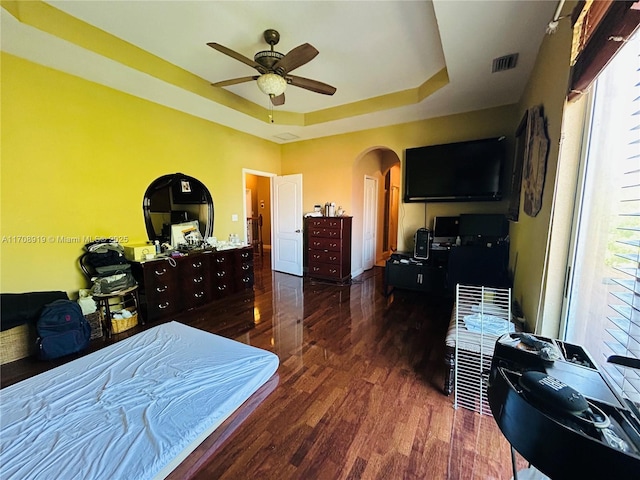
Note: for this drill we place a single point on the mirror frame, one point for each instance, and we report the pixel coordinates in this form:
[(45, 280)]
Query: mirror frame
[(167, 181)]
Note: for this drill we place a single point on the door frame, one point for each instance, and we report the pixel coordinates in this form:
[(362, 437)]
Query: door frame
[(257, 173)]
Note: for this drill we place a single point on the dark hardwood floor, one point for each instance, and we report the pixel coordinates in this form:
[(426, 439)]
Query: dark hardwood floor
[(358, 393)]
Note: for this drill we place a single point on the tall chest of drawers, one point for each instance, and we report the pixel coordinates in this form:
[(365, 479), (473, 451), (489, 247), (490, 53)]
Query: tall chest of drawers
[(329, 248)]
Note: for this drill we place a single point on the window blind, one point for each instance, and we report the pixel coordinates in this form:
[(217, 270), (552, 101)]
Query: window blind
[(624, 299)]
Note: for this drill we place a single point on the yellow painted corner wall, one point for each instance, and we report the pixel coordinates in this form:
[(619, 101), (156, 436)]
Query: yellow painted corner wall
[(76, 159), (547, 86), (327, 164)]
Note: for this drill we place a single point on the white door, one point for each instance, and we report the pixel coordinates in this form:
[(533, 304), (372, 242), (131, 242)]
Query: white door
[(286, 253), (369, 222)]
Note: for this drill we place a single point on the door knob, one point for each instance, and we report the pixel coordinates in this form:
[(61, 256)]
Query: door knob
[(298, 231)]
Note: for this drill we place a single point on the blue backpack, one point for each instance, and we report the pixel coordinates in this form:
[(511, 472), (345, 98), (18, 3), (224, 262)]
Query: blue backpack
[(62, 330)]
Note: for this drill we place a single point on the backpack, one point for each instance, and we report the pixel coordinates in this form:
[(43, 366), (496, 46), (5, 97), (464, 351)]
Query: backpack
[(62, 330)]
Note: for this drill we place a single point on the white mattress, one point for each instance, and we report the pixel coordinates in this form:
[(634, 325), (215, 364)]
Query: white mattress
[(132, 410)]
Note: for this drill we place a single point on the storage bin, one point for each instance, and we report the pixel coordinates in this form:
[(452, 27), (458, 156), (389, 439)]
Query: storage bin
[(95, 320), (119, 325)]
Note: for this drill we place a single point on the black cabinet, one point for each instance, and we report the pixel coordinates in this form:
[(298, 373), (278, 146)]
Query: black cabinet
[(446, 267), (418, 276)]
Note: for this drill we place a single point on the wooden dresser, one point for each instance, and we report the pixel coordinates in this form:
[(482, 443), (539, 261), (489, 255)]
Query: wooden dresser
[(329, 247), (170, 286)]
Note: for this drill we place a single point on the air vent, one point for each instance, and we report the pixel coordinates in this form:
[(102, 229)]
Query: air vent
[(286, 136), (504, 63)]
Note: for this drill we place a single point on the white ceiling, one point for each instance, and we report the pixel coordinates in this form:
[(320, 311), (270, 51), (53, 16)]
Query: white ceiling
[(367, 49)]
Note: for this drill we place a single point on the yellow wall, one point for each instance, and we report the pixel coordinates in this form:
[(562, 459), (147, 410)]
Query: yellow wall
[(327, 163), (529, 236), (77, 158)]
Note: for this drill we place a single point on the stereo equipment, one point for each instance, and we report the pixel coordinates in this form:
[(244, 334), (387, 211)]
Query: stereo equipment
[(421, 239), (487, 226)]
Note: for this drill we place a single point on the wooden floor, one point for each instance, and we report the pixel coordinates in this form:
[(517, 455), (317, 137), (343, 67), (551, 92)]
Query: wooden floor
[(358, 394)]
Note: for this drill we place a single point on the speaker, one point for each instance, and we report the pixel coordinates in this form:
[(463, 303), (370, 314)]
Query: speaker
[(421, 241)]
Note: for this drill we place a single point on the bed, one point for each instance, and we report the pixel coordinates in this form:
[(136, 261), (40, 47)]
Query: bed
[(135, 409)]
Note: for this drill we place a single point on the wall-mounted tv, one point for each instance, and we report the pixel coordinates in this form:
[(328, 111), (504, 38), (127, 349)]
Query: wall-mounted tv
[(455, 172)]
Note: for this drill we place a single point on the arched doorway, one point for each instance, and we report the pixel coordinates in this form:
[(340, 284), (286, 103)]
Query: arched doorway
[(382, 165)]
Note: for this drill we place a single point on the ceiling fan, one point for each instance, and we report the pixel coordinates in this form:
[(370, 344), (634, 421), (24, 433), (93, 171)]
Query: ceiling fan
[(274, 68)]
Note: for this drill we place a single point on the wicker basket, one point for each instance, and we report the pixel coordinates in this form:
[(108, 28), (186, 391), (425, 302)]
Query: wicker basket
[(119, 325), (18, 342), (95, 320)]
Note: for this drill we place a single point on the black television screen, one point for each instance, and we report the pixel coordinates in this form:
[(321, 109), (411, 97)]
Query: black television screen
[(455, 172)]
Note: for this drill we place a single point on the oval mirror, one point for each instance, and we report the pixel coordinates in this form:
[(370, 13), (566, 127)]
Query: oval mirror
[(174, 199)]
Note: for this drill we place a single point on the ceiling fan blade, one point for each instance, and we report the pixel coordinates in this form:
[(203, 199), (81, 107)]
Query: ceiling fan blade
[(234, 81), (237, 56), (312, 85), (295, 58), (277, 101)]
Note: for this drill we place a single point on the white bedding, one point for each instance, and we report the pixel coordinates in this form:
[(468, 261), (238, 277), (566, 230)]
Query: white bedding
[(476, 328), (132, 410)]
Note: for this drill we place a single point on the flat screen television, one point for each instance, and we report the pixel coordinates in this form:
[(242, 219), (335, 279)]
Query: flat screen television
[(455, 172)]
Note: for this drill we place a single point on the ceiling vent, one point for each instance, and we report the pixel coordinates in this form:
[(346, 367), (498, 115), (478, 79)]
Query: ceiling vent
[(286, 136), (507, 62)]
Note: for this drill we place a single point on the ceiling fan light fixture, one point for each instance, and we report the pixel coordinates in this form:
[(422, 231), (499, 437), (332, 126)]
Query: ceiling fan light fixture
[(272, 84)]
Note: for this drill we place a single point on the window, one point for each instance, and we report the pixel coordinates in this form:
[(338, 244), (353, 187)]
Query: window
[(604, 290)]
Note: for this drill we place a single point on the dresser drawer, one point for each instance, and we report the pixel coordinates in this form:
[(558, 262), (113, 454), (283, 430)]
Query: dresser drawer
[(161, 306), (318, 232), (325, 222), (324, 270), (160, 280), (322, 256), (195, 289), (223, 284), (325, 244), (161, 289)]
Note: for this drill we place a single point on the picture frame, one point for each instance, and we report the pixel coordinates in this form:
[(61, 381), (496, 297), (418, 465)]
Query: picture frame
[(522, 133), (535, 162)]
